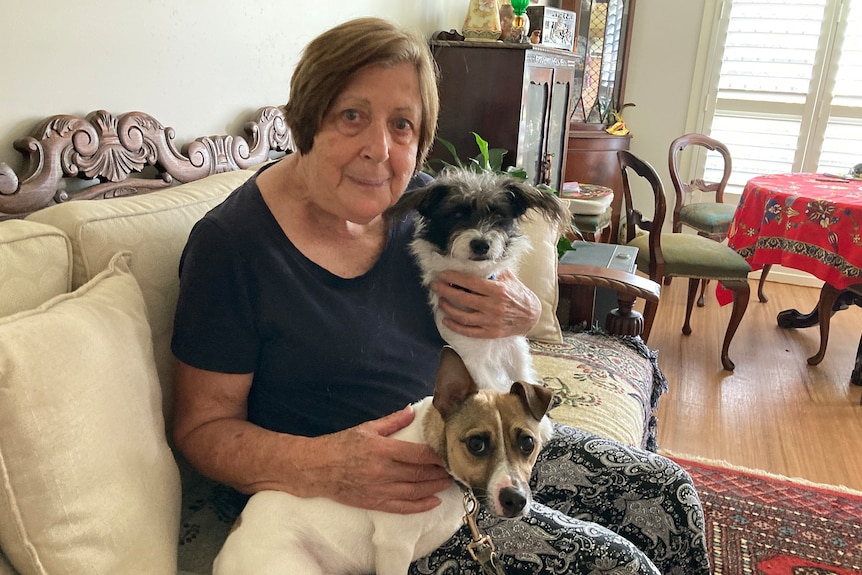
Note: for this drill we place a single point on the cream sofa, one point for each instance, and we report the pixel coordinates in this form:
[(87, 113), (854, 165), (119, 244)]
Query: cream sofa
[(89, 483)]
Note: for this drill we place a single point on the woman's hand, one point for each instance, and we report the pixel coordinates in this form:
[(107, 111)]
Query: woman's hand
[(486, 308), (363, 467)]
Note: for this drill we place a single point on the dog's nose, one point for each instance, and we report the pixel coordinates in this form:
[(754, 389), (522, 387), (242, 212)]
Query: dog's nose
[(513, 501), (479, 247)]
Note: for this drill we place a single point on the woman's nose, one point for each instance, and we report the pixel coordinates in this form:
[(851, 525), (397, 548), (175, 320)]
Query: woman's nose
[(376, 144)]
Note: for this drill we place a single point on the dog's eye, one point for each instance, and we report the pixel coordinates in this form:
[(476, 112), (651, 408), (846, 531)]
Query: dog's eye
[(477, 444), (461, 214), (527, 443)]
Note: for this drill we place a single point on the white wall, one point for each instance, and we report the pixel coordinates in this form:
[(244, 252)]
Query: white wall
[(203, 66), (664, 49), (200, 66)]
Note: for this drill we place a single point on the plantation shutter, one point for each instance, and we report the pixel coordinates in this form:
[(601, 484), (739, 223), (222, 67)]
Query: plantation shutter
[(789, 94), (842, 145)]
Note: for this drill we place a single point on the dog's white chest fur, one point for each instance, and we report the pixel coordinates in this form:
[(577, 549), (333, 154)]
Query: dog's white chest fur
[(280, 534), (493, 363)]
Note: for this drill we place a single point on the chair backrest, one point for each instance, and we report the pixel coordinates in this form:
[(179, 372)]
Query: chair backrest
[(634, 218), (683, 189)]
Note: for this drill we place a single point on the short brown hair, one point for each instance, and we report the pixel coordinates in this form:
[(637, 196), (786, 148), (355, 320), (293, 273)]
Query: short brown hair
[(328, 62)]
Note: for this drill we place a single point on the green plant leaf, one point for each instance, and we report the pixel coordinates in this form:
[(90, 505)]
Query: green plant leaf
[(563, 245), (517, 172), (482, 158), (495, 159), (451, 147), (546, 188), (488, 160)]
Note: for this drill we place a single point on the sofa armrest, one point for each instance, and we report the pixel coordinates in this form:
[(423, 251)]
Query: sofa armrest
[(623, 320)]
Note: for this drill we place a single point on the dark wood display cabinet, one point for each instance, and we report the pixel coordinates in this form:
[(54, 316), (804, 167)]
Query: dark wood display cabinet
[(516, 96)]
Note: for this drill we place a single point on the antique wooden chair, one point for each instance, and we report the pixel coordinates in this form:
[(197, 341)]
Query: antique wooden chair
[(711, 218), (662, 255)]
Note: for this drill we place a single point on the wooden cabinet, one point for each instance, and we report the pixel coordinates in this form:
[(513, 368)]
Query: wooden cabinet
[(591, 158), (517, 97)]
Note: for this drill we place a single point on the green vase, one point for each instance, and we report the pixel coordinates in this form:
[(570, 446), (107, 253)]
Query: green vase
[(520, 22)]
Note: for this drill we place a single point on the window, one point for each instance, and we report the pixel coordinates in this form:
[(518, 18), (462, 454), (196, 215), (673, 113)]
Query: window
[(787, 95)]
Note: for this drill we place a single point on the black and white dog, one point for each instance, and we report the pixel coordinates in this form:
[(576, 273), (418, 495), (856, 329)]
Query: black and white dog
[(469, 221)]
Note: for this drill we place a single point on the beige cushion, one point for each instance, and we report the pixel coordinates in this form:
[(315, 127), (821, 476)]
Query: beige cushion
[(88, 483), (538, 271), (35, 265), (154, 228)]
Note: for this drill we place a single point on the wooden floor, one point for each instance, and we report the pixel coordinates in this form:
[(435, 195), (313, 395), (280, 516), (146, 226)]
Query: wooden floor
[(774, 412)]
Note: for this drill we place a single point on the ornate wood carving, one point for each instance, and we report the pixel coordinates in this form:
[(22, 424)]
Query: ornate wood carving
[(102, 156)]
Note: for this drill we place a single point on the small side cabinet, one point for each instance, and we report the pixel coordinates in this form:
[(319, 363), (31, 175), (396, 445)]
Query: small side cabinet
[(516, 96)]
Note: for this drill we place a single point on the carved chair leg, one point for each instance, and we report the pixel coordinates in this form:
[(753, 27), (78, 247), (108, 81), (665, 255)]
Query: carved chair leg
[(741, 294), (650, 309), (763, 273), (700, 300), (828, 295), (689, 304)]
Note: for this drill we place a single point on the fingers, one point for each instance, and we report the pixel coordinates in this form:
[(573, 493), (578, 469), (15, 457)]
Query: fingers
[(391, 423), (401, 451), (478, 307), (366, 468)]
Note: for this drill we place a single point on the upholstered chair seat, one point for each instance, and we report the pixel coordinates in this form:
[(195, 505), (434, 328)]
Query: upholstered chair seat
[(691, 256), (708, 217), (592, 225)]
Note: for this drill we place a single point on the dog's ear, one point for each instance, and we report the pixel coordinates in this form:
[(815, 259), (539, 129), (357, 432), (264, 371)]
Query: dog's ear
[(422, 200), (453, 384), (536, 398), (525, 196)]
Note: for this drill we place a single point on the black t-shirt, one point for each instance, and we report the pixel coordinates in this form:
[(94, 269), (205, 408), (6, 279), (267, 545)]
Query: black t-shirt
[(327, 353)]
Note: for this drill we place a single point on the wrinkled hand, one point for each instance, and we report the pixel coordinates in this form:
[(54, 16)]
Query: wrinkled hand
[(363, 467), (487, 309)]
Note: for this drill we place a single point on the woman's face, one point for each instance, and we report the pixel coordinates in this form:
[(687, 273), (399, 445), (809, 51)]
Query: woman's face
[(365, 152)]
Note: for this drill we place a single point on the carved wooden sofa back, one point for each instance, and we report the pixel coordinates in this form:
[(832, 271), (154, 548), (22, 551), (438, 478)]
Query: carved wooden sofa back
[(69, 157)]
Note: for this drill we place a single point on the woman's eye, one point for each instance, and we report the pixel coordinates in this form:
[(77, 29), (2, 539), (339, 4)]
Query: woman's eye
[(477, 445), (350, 115), (403, 125), (527, 444)]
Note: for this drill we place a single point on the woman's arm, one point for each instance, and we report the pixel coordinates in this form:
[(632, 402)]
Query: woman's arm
[(478, 307), (360, 466)]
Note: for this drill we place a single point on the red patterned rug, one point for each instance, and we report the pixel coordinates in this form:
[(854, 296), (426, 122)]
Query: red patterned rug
[(760, 524)]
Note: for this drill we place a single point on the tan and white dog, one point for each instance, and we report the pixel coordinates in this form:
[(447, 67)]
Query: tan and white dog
[(489, 442)]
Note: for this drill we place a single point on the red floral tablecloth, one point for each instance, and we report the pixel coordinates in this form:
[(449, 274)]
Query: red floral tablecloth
[(808, 222)]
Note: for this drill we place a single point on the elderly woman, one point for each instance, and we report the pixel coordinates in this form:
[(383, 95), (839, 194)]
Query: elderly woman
[(302, 331)]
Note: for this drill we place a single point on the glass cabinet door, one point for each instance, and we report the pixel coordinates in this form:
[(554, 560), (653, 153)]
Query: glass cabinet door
[(603, 33), (534, 121), (558, 124)]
